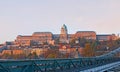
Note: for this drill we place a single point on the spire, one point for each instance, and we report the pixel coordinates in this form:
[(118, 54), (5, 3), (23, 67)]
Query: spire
[(64, 26), (64, 29)]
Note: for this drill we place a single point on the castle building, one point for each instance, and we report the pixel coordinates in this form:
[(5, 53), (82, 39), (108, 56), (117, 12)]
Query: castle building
[(47, 37)]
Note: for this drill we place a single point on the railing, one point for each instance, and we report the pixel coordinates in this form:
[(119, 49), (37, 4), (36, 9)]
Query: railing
[(57, 65)]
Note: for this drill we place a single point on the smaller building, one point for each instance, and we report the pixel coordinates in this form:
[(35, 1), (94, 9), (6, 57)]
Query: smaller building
[(86, 35), (38, 51), (6, 52), (106, 37), (23, 40)]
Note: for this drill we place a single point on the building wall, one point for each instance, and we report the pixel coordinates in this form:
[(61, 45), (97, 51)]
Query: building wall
[(23, 40), (42, 37), (12, 52), (15, 52), (38, 37), (107, 37), (6, 52), (86, 35), (38, 51)]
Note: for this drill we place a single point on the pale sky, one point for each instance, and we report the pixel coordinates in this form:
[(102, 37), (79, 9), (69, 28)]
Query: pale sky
[(23, 17)]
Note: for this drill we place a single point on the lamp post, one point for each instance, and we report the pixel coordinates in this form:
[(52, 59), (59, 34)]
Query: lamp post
[(107, 48)]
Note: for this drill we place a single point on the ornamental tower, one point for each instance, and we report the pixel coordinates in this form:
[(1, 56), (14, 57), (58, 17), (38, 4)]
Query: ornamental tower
[(64, 34)]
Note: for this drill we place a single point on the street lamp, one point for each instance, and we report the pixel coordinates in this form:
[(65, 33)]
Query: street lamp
[(107, 48)]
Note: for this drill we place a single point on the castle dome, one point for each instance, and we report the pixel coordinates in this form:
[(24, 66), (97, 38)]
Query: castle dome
[(64, 29)]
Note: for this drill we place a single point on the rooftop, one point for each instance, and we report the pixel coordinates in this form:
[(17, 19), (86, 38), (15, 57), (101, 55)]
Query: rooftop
[(85, 31), (42, 33)]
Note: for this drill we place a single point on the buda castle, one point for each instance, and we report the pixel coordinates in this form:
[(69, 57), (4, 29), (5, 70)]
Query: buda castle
[(47, 37)]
